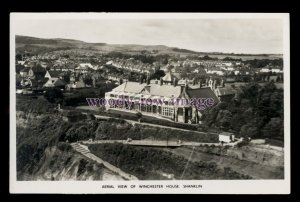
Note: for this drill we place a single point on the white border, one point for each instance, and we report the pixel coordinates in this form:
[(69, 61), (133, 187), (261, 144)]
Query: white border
[(208, 186)]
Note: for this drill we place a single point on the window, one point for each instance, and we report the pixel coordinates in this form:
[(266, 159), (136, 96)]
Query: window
[(168, 112), (180, 112)]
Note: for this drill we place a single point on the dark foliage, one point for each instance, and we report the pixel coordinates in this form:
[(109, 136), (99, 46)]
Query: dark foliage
[(54, 95), (255, 112), (147, 163)]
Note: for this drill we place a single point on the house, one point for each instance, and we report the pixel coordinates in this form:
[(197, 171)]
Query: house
[(109, 62), (27, 72), (265, 69), (84, 67), (236, 72), (226, 137), (169, 78), (169, 101), (225, 93), (55, 82), (47, 75), (26, 82), (214, 70), (77, 84), (273, 78), (24, 71), (20, 62), (54, 74), (277, 70)]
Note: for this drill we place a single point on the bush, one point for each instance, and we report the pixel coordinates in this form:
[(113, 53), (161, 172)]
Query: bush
[(74, 116), (64, 146), (54, 95), (91, 116), (112, 120)]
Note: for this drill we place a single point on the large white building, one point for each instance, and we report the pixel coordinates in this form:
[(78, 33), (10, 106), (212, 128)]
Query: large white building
[(159, 99)]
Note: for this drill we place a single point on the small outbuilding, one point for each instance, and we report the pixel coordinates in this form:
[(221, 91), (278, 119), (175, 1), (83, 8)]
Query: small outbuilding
[(226, 137)]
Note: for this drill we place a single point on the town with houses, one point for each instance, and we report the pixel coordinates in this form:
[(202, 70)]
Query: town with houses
[(206, 77), (228, 92), (39, 72)]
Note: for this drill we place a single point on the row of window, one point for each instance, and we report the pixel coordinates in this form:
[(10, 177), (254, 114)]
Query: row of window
[(168, 112)]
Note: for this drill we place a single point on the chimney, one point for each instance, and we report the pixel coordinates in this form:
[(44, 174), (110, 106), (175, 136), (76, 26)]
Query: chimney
[(121, 81), (206, 82), (184, 89), (148, 80), (222, 83), (215, 84), (174, 82), (161, 81), (141, 79)]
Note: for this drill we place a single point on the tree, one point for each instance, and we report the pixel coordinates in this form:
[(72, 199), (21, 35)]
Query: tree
[(139, 116), (19, 68), (66, 78), (249, 130), (54, 95), (273, 128), (39, 71), (18, 57), (157, 74), (88, 81)]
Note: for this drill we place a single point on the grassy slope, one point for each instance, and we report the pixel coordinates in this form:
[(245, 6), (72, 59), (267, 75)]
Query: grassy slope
[(37, 44), (149, 163)]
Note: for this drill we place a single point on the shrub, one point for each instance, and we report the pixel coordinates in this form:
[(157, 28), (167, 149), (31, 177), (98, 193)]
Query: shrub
[(54, 95), (64, 146)]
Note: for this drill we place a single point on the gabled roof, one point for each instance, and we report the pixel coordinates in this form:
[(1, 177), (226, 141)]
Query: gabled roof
[(202, 93), (54, 82), (54, 73), (168, 77), (25, 69), (86, 65), (130, 87), (164, 90), (227, 90)]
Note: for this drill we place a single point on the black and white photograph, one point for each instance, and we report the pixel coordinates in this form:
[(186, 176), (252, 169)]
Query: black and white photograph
[(149, 103)]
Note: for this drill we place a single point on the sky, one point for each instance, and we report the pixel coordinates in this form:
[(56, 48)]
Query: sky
[(255, 36)]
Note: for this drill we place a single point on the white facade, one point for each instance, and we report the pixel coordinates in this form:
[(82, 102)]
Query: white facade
[(265, 70), (277, 70), (226, 137)]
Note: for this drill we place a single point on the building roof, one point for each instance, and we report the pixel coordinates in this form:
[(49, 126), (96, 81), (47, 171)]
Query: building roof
[(205, 92), (54, 82), (86, 65), (163, 90), (228, 80), (168, 77), (26, 69), (54, 73), (130, 87), (226, 133), (227, 90)]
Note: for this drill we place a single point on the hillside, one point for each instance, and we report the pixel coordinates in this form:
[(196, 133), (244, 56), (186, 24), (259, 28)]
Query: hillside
[(38, 45), (34, 45)]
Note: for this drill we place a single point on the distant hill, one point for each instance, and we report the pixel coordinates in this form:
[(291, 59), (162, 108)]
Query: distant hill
[(38, 45), (34, 45)]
